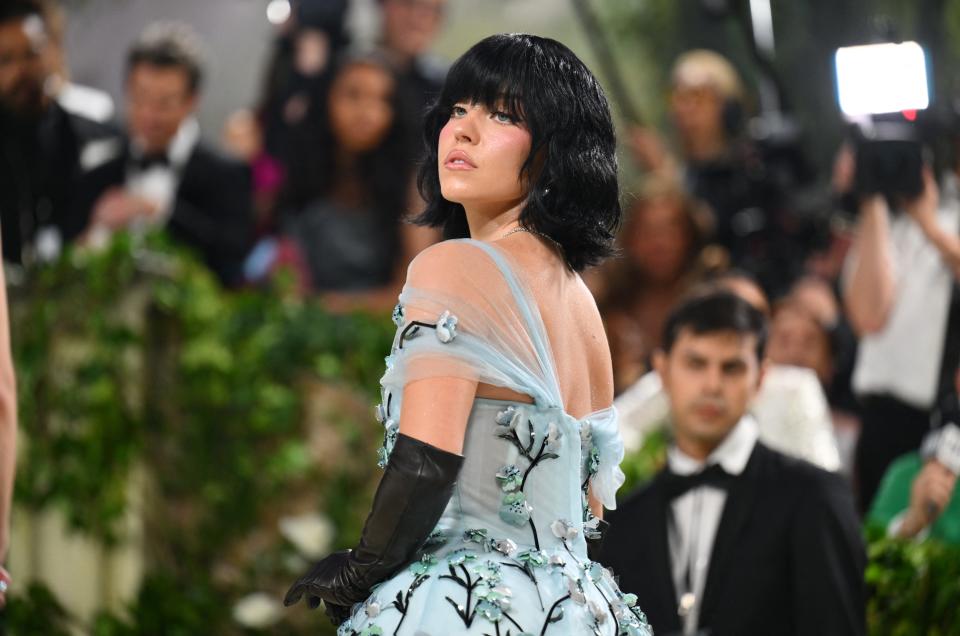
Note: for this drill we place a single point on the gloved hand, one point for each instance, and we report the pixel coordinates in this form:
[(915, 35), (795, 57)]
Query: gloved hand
[(322, 578), (412, 495)]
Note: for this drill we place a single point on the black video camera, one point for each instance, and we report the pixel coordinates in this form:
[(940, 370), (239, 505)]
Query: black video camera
[(883, 91)]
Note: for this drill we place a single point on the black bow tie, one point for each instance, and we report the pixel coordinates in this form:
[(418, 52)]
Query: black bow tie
[(148, 161), (713, 475)]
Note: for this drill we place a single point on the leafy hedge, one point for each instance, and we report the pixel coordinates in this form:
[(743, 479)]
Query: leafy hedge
[(240, 408), (243, 410)]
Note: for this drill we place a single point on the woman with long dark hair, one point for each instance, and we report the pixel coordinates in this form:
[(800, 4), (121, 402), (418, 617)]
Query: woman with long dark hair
[(501, 446), (348, 187)]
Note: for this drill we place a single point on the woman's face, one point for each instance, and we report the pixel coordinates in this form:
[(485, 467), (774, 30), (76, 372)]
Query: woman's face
[(697, 112), (479, 156), (660, 240), (361, 110), (796, 339)]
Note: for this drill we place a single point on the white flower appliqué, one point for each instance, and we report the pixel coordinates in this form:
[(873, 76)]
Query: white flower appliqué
[(446, 327)]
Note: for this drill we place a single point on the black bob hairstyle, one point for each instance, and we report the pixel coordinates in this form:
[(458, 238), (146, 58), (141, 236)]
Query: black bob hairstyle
[(712, 312), (572, 166)]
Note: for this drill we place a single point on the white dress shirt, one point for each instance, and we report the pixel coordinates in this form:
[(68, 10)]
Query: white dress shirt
[(159, 183), (695, 515), (904, 358)]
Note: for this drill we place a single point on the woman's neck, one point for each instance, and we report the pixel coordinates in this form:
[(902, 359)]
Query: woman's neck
[(489, 223), (346, 188)]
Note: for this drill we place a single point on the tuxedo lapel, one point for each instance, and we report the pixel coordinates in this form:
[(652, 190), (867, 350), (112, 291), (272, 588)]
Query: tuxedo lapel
[(661, 559), (736, 510)]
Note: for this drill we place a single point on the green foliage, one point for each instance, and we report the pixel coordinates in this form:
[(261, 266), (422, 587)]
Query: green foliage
[(73, 363), (914, 588), (133, 361), (37, 611), (641, 465), (170, 607)]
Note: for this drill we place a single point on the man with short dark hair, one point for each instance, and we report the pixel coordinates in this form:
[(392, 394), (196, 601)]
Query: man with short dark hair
[(733, 538), (164, 176), (41, 144)]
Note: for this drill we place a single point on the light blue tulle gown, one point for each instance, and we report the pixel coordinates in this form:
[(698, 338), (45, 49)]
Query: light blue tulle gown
[(509, 555)]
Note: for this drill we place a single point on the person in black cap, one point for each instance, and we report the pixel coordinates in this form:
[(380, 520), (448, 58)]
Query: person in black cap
[(733, 537)]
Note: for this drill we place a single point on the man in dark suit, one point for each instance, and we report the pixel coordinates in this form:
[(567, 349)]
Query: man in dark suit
[(733, 538), (164, 176), (42, 146)]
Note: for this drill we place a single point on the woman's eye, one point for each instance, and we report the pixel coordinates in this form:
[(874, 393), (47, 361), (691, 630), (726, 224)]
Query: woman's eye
[(458, 111), (503, 117)]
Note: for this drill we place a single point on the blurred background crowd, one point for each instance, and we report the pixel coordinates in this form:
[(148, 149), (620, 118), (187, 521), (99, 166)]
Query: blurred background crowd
[(126, 117)]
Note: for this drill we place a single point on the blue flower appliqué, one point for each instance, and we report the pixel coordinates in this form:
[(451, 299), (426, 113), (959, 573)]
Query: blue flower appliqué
[(424, 565), (397, 317), (510, 478), (514, 509)]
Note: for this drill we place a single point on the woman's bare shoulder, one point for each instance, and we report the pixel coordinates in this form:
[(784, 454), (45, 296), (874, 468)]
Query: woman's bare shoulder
[(448, 264)]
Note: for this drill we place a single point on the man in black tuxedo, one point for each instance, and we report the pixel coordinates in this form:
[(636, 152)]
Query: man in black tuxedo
[(733, 538), (42, 146), (163, 175)]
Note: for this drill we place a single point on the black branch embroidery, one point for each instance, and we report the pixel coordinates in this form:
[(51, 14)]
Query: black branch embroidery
[(412, 329), (551, 619), (402, 602), (466, 614), (528, 571)]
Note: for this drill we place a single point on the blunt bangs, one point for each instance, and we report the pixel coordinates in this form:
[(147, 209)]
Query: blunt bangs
[(574, 198), (492, 78)]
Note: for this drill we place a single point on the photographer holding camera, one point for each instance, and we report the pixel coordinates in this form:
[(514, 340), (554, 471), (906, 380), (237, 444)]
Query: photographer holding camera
[(918, 497), (902, 296)]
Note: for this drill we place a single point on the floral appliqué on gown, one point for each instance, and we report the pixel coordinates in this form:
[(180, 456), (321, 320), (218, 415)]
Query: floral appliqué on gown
[(509, 555)]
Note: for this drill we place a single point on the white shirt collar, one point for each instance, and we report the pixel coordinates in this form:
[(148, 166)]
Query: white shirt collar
[(182, 144), (732, 454)]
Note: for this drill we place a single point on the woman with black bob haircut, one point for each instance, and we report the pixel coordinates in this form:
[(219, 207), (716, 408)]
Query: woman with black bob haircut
[(572, 166), (501, 446)]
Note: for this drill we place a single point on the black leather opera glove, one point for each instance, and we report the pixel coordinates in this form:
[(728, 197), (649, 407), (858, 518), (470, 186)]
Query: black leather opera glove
[(413, 493)]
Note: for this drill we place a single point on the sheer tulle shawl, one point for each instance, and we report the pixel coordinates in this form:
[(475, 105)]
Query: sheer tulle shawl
[(464, 313)]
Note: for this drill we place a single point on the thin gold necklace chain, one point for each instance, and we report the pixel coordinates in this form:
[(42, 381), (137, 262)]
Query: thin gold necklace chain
[(535, 233)]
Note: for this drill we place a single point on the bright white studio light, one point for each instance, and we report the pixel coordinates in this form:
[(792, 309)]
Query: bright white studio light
[(881, 78), (278, 11)]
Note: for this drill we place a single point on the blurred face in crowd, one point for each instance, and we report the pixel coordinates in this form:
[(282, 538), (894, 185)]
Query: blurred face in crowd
[(410, 26), (361, 108), (796, 338), (697, 113), (480, 155), (710, 379), (660, 238), (22, 68), (159, 99)]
